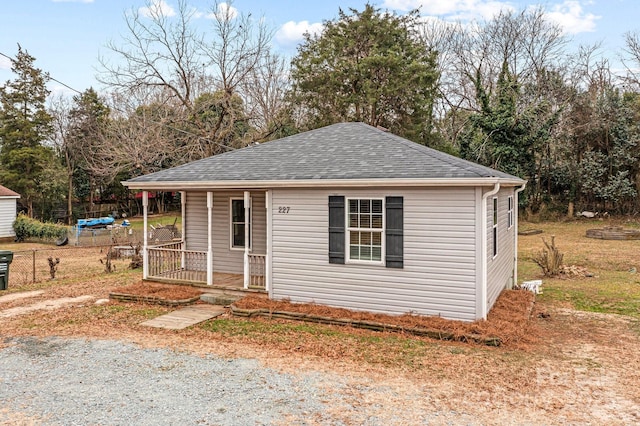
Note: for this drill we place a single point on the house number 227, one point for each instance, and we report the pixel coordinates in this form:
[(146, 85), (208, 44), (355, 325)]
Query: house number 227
[(284, 210)]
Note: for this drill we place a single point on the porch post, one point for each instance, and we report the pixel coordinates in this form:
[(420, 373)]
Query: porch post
[(247, 206), (145, 248), (183, 205), (209, 238), (267, 266)]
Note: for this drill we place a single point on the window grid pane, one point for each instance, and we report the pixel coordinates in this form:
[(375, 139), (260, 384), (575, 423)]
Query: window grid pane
[(365, 223)]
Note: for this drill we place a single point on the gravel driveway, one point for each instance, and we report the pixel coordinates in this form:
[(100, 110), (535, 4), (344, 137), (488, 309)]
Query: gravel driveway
[(57, 381)]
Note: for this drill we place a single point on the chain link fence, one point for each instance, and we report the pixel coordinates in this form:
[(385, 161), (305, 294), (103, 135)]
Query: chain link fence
[(106, 236), (35, 265)]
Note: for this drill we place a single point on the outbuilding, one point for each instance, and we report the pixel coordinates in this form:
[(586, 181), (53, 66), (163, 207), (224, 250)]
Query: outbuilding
[(346, 215), (8, 209)]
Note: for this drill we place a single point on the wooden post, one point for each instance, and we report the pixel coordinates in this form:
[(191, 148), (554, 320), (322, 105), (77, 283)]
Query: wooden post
[(209, 238), (34, 266), (145, 247), (247, 218), (183, 207), (267, 267)]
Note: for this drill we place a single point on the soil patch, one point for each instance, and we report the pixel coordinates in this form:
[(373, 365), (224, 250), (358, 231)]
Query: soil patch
[(157, 293), (508, 322)]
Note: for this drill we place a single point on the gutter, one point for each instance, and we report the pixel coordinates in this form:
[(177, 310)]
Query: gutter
[(308, 183), (483, 249), (515, 236)]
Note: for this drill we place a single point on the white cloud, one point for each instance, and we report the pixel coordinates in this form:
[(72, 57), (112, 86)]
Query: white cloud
[(157, 8), (225, 10), (572, 18), (292, 32), (454, 9)]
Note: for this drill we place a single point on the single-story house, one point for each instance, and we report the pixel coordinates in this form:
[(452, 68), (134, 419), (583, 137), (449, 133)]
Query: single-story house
[(8, 209), (347, 215)]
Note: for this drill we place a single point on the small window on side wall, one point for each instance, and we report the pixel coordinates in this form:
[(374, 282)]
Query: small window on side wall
[(510, 212), (495, 226)]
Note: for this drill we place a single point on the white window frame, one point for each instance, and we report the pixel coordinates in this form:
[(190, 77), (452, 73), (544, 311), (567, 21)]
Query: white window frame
[(349, 229), (510, 212), (231, 223), (495, 220)]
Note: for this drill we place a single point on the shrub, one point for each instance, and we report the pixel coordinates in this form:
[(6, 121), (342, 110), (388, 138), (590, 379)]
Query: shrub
[(26, 228), (549, 259)]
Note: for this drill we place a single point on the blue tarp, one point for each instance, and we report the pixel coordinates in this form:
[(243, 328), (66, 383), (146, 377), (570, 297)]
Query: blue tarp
[(99, 222)]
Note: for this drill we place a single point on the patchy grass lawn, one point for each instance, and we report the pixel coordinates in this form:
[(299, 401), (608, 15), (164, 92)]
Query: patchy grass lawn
[(615, 286), (569, 367)]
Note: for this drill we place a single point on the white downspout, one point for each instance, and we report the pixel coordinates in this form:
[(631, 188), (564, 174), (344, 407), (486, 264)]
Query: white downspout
[(483, 295), (515, 236), (247, 206), (209, 238), (145, 248)]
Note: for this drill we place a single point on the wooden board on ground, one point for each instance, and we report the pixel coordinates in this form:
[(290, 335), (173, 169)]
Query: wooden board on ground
[(185, 317)]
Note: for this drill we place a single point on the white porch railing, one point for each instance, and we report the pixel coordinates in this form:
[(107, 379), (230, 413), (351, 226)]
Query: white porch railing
[(169, 261), (257, 274)]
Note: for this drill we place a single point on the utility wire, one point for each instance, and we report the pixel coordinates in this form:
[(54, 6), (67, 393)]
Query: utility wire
[(49, 76), (228, 148)]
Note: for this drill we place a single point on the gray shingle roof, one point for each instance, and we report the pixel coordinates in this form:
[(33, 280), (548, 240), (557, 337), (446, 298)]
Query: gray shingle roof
[(337, 152)]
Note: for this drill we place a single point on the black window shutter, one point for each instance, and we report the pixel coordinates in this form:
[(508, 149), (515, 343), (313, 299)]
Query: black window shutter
[(394, 233), (336, 229)]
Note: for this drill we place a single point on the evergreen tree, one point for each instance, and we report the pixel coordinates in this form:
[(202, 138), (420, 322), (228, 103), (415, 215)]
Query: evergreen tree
[(87, 120), (24, 125), (505, 134), (367, 66)]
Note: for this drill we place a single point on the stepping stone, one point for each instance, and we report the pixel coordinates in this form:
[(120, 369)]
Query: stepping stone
[(185, 317)]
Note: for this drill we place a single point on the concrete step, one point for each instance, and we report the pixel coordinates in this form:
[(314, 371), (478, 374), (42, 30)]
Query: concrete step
[(220, 298)]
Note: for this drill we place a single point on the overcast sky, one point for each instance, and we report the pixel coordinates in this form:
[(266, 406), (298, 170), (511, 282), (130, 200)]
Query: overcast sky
[(67, 36)]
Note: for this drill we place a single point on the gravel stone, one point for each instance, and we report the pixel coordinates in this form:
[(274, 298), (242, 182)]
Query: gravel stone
[(102, 382)]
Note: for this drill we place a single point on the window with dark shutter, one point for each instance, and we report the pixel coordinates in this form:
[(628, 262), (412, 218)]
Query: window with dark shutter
[(336, 229), (394, 232)]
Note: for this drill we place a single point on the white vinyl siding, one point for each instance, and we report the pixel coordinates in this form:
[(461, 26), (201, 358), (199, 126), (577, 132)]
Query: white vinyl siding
[(500, 267), (439, 273), (7, 217), (224, 258), (195, 225)]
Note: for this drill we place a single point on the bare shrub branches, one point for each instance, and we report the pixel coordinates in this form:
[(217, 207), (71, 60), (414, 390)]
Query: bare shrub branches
[(549, 259)]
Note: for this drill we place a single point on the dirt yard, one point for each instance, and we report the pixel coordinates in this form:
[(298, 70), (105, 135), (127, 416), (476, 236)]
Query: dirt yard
[(572, 367), (576, 367)]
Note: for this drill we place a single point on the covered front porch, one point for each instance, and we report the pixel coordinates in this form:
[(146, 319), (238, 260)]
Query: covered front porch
[(223, 246)]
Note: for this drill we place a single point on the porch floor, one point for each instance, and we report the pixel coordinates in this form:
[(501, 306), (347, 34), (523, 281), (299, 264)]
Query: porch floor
[(221, 280)]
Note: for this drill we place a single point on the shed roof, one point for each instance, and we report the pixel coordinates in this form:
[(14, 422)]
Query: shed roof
[(346, 153), (6, 192)]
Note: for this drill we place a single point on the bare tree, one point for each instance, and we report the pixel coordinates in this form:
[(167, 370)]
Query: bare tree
[(632, 61), (59, 108), (159, 51), (201, 76), (265, 89)]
